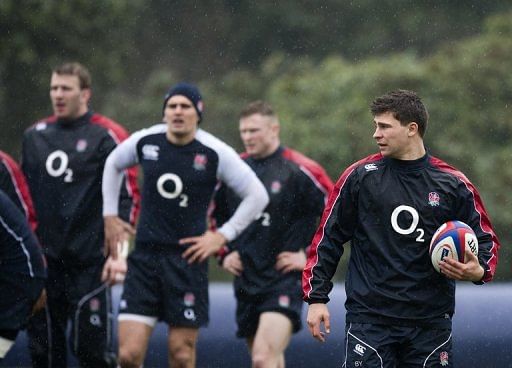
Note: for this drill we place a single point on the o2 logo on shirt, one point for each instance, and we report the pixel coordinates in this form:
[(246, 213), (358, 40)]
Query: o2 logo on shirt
[(57, 165), (178, 188), (413, 227)]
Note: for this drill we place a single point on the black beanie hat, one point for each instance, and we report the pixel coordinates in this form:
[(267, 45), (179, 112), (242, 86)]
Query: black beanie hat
[(189, 91)]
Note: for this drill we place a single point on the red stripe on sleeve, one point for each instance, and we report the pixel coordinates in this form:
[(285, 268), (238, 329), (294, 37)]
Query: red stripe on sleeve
[(485, 222), (20, 185), (119, 134), (319, 235), (312, 169)]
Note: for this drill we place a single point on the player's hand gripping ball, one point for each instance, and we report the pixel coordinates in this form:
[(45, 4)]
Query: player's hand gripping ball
[(451, 240)]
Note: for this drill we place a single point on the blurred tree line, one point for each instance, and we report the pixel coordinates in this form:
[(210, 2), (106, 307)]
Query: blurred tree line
[(319, 63)]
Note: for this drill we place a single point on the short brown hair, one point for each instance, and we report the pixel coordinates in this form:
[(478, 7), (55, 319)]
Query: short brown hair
[(257, 107), (74, 68), (406, 106)]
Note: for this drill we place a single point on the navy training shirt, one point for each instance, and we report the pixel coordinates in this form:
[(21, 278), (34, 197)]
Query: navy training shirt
[(178, 182), (389, 209), (20, 252)]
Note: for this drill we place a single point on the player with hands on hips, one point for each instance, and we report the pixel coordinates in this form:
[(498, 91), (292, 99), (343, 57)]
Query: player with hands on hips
[(389, 205), (268, 257), (167, 276), (286, 261)]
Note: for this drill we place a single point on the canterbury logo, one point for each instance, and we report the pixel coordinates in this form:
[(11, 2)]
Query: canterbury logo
[(371, 167), (359, 349), (150, 152)]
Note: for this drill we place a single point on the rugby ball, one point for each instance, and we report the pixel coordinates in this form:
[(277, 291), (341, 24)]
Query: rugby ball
[(451, 240)]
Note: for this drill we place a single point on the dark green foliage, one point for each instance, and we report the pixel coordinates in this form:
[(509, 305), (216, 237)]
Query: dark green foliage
[(319, 63)]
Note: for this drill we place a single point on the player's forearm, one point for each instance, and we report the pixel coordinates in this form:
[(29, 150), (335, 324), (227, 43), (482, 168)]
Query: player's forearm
[(111, 187), (122, 157), (253, 203)]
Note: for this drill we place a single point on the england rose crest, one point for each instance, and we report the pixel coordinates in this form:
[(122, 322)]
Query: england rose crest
[(433, 199), (200, 161), (443, 358)]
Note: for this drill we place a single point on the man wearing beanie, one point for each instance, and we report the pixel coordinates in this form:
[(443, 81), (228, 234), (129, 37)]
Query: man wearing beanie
[(167, 277), (189, 91)]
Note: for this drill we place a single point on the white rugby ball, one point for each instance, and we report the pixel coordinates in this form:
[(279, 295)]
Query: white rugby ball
[(451, 240)]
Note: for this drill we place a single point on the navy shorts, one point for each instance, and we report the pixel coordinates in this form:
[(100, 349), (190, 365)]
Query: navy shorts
[(19, 294), (387, 346), (249, 309), (160, 284)]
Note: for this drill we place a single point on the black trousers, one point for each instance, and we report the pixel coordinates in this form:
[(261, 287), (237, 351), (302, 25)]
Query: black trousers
[(78, 315)]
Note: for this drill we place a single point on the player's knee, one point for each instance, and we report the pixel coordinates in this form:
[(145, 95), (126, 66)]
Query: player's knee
[(129, 358), (183, 356), (263, 357), (182, 359), (258, 360)]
